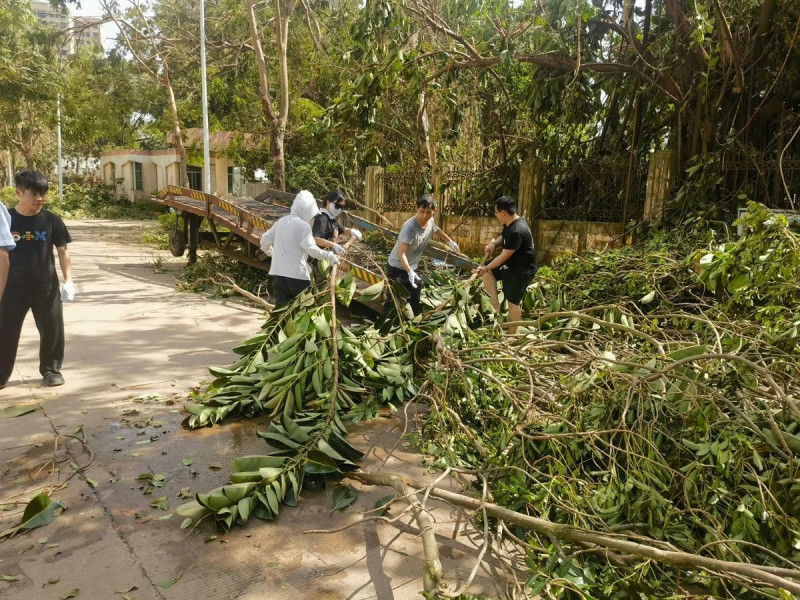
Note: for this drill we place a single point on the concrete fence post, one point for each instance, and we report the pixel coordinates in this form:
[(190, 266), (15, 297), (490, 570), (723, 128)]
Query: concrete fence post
[(660, 177), (373, 187)]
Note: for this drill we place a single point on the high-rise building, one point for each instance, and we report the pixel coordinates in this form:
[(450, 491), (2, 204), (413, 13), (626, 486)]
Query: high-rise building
[(78, 31), (87, 32)]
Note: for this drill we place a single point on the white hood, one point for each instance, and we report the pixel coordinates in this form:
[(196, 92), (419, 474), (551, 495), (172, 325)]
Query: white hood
[(291, 241), (304, 206)]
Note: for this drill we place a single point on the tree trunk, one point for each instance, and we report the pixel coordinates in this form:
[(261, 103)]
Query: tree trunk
[(176, 128), (278, 161), (282, 32), (10, 167), (277, 119)]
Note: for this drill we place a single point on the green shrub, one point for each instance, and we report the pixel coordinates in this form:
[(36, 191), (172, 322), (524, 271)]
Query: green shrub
[(8, 196), (99, 201)]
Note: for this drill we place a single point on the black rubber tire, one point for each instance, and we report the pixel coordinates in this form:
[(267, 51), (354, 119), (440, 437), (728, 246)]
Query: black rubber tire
[(177, 243)]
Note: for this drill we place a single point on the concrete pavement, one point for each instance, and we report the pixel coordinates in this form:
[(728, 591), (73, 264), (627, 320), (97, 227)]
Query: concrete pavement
[(135, 348)]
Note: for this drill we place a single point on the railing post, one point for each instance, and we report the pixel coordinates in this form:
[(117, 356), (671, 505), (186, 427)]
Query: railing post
[(373, 187)]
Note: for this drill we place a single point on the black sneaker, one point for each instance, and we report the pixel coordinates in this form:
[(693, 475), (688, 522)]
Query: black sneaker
[(53, 379)]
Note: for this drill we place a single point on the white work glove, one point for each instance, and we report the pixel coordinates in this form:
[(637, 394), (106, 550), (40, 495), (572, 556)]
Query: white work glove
[(265, 246), (337, 249), (68, 291), (413, 278), (453, 246), (335, 260), (356, 234)]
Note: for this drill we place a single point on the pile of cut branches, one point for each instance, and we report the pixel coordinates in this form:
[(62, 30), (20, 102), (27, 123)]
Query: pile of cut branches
[(638, 437)]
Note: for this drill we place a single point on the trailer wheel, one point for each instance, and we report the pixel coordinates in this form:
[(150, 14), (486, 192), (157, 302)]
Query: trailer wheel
[(177, 243)]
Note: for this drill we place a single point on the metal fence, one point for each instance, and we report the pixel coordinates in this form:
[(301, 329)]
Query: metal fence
[(472, 193), (760, 180), (595, 190), (401, 190)]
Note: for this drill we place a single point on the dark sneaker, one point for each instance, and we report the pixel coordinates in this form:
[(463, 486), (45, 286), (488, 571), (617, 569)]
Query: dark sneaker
[(53, 379)]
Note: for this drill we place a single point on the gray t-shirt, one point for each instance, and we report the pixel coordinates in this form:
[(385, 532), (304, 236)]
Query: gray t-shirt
[(417, 238)]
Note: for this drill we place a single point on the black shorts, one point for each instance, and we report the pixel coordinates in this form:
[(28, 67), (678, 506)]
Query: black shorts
[(287, 288), (514, 282)]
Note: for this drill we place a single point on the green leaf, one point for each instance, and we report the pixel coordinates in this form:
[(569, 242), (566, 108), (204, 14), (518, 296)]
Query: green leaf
[(168, 583), (648, 298), (371, 293), (322, 325), (346, 289), (15, 410), (319, 463), (739, 282), (383, 503), (72, 594), (9, 578), (687, 352), (160, 502), (255, 462), (193, 510), (343, 496), (39, 511)]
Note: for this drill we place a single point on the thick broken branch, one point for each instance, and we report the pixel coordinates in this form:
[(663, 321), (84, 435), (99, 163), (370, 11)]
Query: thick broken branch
[(683, 560)]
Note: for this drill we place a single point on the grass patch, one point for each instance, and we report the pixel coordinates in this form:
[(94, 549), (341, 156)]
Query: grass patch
[(92, 200)]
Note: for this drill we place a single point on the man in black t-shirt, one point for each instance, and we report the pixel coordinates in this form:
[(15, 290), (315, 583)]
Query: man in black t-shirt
[(33, 281), (516, 264)]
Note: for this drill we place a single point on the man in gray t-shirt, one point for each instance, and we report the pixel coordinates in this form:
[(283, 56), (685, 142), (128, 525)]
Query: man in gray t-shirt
[(411, 242)]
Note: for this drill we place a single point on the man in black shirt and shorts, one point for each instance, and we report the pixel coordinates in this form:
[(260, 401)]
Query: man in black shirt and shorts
[(33, 281), (516, 264)]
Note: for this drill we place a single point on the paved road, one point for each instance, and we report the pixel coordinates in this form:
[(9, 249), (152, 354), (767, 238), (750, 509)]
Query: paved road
[(135, 347)]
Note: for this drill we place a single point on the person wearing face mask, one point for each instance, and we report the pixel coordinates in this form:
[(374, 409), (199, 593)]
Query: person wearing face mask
[(290, 242), (326, 228)]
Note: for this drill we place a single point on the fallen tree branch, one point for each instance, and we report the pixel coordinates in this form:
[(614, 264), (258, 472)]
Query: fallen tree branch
[(684, 560), (243, 292), (433, 578)]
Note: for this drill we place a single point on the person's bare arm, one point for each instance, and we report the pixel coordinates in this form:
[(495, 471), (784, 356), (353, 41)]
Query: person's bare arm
[(498, 261), (65, 263), (323, 243), (402, 248), (4, 263)]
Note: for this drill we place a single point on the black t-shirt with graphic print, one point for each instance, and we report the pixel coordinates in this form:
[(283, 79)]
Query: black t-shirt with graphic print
[(517, 236), (325, 227), (32, 264)]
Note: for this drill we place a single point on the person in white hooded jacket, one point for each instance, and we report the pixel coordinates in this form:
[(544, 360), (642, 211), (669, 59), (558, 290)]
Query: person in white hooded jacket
[(290, 242)]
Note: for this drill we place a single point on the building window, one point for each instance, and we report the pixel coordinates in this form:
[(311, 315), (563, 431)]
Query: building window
[(138, 177), (195, 177), (230, 180), (112, 172)]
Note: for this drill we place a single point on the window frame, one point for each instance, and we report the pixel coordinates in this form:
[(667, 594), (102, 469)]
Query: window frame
[(138, 178)]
